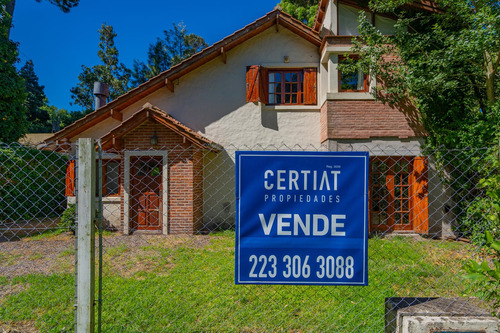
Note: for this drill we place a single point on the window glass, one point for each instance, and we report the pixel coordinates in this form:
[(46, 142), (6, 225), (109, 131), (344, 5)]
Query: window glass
[(390, 192), (285, 87), (112, 176), (355, 81)]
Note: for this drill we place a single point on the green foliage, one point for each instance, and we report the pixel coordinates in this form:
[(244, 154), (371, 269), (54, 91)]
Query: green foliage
[(60, 118), (446, 65), (109, 71), (13, 122), (486, 274), (68, 218), (38, 117), (303, 10), (176, 46), (483, 213), (32, 183)]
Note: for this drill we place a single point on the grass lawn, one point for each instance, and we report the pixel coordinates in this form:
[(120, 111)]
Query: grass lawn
[(187, 284)]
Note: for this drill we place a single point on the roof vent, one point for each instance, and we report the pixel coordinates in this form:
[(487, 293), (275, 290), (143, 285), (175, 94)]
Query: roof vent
[(101, 93)]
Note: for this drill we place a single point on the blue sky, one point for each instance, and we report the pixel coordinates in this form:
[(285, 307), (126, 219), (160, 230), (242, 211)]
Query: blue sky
[(60, 43)]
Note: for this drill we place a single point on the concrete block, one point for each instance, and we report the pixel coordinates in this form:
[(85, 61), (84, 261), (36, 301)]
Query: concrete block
[(437, 315)]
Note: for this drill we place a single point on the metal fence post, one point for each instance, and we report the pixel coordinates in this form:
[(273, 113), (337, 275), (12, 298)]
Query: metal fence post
[(85, 234)]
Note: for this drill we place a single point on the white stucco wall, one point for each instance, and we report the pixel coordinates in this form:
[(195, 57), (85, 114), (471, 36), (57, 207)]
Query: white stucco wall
[(211, 99), (99, 130), (330, 20), (348, 20), (385, 25)]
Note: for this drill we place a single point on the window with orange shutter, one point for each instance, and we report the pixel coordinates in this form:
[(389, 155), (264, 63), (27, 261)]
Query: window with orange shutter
[(281, 86)]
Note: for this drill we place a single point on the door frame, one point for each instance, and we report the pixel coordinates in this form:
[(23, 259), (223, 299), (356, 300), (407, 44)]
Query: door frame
[(126, 183)]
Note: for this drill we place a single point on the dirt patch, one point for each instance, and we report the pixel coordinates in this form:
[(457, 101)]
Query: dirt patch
[(56, 254), (28, 256), (131, 256), (18, 327)]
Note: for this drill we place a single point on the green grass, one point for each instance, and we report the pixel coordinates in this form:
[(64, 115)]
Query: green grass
[(159, 288)]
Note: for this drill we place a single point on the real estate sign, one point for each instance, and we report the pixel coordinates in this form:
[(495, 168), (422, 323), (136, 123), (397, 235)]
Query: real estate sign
[(301, 218)]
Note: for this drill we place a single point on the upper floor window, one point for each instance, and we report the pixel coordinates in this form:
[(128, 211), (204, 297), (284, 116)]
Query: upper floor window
[(281, 86), (352, 82), (285, 87)]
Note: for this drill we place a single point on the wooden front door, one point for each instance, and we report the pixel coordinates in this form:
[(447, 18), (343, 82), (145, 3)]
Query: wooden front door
[(146, 193), (398, 192)]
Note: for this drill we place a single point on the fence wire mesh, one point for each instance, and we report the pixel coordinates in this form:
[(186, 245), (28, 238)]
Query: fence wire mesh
[(168, 244), (36, 247)]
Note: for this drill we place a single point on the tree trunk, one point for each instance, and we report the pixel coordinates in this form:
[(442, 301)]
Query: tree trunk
[(491, 64), (9, 9)]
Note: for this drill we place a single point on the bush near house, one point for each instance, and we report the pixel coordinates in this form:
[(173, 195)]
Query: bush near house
[(32, 183)]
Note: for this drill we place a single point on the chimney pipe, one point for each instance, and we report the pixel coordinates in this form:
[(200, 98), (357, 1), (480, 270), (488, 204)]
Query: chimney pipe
[(101, 93)]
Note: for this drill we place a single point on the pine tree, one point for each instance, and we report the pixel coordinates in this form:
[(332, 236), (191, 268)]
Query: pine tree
[(176, 46), (109, 71), (13, 123), (39, 119)]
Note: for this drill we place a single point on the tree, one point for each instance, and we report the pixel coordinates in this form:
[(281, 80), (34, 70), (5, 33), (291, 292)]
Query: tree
[(157, 62), (9, 6), (13, 122), (303, 10), (39, 119), (60, 118), (176, 46), (446, 64), (180, 44), (110, 71)]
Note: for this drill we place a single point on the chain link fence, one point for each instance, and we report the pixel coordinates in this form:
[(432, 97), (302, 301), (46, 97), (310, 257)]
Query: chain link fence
[(168, 240), (36, 248)]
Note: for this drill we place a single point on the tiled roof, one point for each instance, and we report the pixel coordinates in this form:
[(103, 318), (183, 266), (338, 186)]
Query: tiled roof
[(153, 113)]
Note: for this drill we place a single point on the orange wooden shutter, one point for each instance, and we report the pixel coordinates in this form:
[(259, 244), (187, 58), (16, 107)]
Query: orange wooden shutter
[(253, 83), (310, 90), (420, 200), (70, 179)]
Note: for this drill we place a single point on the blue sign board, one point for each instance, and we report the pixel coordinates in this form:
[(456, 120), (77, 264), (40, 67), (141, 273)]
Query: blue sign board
[(301, 218)]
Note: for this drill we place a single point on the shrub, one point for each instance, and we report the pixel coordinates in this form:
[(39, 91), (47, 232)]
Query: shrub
[(486, 274), (68, 218), (32, 183)]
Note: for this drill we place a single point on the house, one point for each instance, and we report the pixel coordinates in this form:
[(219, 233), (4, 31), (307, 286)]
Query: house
[(273, 83)]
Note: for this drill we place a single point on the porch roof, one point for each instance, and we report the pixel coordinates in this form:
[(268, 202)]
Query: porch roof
[(153, 113)]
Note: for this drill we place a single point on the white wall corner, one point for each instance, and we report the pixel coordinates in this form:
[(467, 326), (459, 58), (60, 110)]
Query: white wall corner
[(333, 73)]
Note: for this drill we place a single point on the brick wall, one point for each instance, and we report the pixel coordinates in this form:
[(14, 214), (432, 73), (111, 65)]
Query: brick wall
[(185, 177), (364, 119)]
